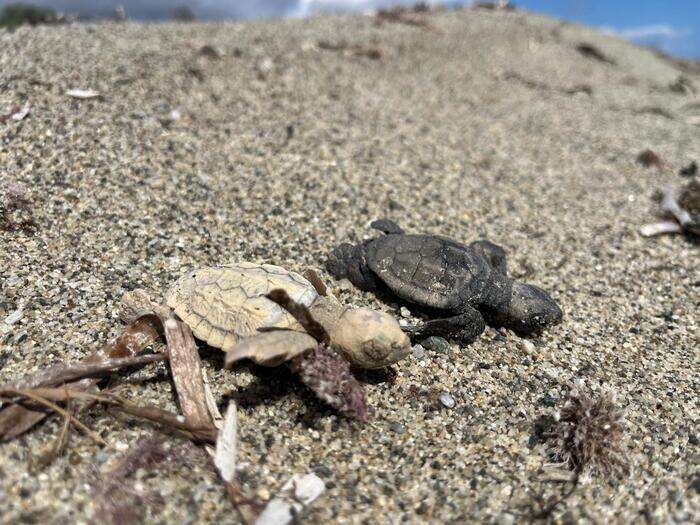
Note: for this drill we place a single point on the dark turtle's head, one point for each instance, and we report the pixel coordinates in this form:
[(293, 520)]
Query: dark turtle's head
[(340, 261), (347, 261), (530, 309)]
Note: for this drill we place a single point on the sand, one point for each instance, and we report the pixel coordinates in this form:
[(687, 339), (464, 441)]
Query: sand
[(493, 125)]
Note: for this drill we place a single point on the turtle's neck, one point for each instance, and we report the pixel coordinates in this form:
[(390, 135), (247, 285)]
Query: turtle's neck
[(328, 313)]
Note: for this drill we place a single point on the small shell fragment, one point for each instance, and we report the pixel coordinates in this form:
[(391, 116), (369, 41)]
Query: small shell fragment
[(660, 228), (83, 93), (297, 493), (226, 444)]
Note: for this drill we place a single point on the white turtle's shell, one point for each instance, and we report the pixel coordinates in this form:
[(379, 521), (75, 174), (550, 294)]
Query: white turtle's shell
[(223, 304)]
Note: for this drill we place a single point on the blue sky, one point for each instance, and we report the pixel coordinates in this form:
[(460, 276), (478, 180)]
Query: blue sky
[(672, 25)]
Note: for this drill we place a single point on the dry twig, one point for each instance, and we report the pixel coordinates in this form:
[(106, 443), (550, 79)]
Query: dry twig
[(186, 369)]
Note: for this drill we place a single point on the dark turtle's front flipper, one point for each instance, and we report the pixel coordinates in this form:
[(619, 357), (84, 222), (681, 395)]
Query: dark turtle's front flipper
[(347, 261), (463, 328), (387, 226), (494, 254)]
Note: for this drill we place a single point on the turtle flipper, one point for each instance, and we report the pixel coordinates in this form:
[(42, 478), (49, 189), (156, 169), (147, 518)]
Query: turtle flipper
[(386, 226), (464, 327), (271, 348), (494, 254)]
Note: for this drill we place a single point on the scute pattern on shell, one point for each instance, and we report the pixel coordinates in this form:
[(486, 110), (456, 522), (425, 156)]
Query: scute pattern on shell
[(432, 270), (223, 304)]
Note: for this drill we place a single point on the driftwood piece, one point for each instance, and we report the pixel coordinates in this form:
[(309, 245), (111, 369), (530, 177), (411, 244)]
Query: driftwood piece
[(186, 369)]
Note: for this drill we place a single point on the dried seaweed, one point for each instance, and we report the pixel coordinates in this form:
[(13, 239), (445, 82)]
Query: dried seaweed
[(322, 369), (55, 449), (16, 419), (587, 437), (117, 499), (148, 412), (164, 418), (589, 434), (185, 364), (139, 334), (328, 375)]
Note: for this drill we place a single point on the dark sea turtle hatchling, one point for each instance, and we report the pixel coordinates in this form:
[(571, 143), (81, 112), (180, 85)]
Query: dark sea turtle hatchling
[(226, 305), (469, 283)]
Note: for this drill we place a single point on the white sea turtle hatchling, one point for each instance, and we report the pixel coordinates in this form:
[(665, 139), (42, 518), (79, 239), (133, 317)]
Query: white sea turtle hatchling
[(226, 306)]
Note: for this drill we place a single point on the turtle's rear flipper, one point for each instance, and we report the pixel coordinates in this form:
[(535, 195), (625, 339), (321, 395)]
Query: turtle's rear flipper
[(386, 226), (464, 328)]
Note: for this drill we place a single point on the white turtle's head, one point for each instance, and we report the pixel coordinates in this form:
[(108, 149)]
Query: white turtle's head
[(370, 339)]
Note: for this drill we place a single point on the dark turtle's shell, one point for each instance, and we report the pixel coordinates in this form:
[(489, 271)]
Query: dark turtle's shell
[(430, 270)]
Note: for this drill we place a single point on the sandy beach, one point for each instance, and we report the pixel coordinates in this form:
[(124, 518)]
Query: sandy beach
[(279, 146)]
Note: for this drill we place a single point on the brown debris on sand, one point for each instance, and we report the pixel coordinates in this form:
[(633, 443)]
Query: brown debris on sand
[(589, 434), (406, 15), (15, 207), (679, 209), (648, 158), (358, 50), (591, 51)]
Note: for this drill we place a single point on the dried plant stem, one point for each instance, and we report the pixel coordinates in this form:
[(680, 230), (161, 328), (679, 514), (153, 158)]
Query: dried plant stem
[(55, 449), (59, 374), (166, 418), (53, 406), (240, 500), (63, 436), (151, 413), (143, 331), (301, 314)]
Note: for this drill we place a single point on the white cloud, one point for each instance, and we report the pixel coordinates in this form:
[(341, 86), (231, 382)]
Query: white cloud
[(649, 32), (308, 7)]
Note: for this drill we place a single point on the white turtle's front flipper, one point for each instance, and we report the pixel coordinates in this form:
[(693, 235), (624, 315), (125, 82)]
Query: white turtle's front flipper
[(271, 348)]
